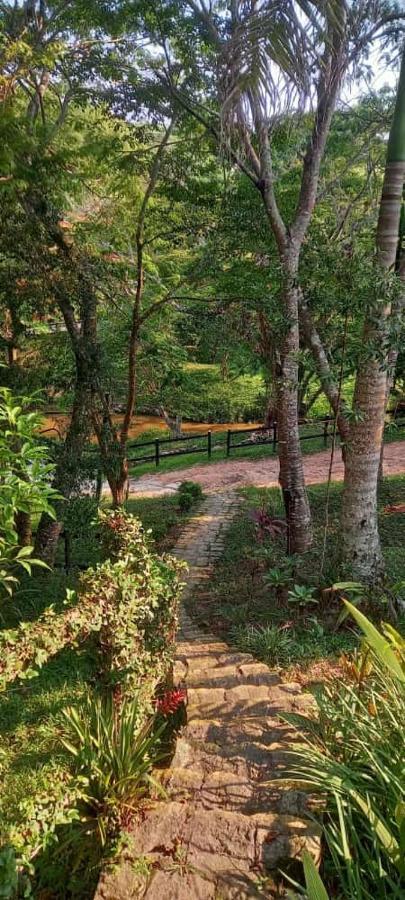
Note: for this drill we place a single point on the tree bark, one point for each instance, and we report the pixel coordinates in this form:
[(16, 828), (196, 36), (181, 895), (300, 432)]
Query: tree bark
[(23, 526), (67, 467), (397, 313), (361, 547), (329, 385), (291, 477)]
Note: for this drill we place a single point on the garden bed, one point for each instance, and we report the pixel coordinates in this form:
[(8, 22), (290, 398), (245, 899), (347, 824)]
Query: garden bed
[(252, 600)]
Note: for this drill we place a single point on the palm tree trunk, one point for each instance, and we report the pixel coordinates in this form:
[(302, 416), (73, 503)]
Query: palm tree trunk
[(360, 536)]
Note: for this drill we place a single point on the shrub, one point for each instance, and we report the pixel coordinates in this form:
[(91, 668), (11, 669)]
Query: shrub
[(189, 493), (127, 607), (129, 603), (354, 757)]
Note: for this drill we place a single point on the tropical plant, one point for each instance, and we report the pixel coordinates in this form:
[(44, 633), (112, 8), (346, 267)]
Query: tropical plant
[(276, 577), (269, 643), (314, 886), (267, 525), (302, 594), (114, 749), (354, 757)]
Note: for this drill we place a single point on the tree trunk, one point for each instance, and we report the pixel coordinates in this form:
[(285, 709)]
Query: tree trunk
[(328, 383), (271, 408), (398, 307), (47, 538), (291, 475), (67, 467), (23, 526), (360, 536)]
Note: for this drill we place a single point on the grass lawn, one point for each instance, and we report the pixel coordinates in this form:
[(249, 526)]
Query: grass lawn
[(247, 601), (32, 759)]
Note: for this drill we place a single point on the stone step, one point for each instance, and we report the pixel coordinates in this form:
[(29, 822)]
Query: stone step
[(224, 849), (233, 790), (230, 676), (245, 701), (258, 732)]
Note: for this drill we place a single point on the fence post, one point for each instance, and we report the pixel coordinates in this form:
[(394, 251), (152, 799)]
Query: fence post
[(157, 451), (209, 444), (274, 436), (228, 442), (325, 432)]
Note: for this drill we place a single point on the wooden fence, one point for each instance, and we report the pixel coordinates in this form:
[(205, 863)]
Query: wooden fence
[(208, 442), (204, 443)]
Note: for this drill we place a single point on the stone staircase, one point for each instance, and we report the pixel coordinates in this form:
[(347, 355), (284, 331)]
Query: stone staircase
[(226, 825)]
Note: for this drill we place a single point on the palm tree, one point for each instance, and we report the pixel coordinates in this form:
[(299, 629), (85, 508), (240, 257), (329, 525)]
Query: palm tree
[(360, 535)]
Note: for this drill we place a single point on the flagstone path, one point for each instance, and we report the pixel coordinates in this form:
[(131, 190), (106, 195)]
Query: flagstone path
[(225, 824)]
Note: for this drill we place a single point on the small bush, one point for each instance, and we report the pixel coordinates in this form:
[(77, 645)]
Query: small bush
[(192, 488), (189, 493), (125, 614)]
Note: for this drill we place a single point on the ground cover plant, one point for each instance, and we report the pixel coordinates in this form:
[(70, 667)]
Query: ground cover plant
[(282, 609)]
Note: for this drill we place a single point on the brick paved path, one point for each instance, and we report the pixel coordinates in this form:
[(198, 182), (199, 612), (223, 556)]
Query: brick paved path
[(223, 826)]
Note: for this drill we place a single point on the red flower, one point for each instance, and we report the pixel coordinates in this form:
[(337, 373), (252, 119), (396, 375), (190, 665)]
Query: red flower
[(171, 701)]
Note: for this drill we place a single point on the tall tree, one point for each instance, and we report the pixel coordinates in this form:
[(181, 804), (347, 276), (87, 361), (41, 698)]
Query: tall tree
[(360, 535), (267, 55)]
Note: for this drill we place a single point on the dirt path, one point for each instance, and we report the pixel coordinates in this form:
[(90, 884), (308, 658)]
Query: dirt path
[(227, 822), (234, 473)]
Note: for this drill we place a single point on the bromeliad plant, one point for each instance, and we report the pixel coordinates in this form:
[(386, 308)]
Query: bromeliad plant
[(354, 756), (268, 526), (114, 749)]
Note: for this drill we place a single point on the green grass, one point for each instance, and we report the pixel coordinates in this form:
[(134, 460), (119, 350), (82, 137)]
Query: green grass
[(249, 612), (160, 515)]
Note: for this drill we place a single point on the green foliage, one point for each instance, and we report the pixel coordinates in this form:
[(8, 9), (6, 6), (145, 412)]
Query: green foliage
[(301, 594), (124, 617), (128, 601), (25, 476), (354, 757), (250, 585), (8, 873), (114, 749), (269, 643), (189, 493), (313, 882), (203, 396)]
